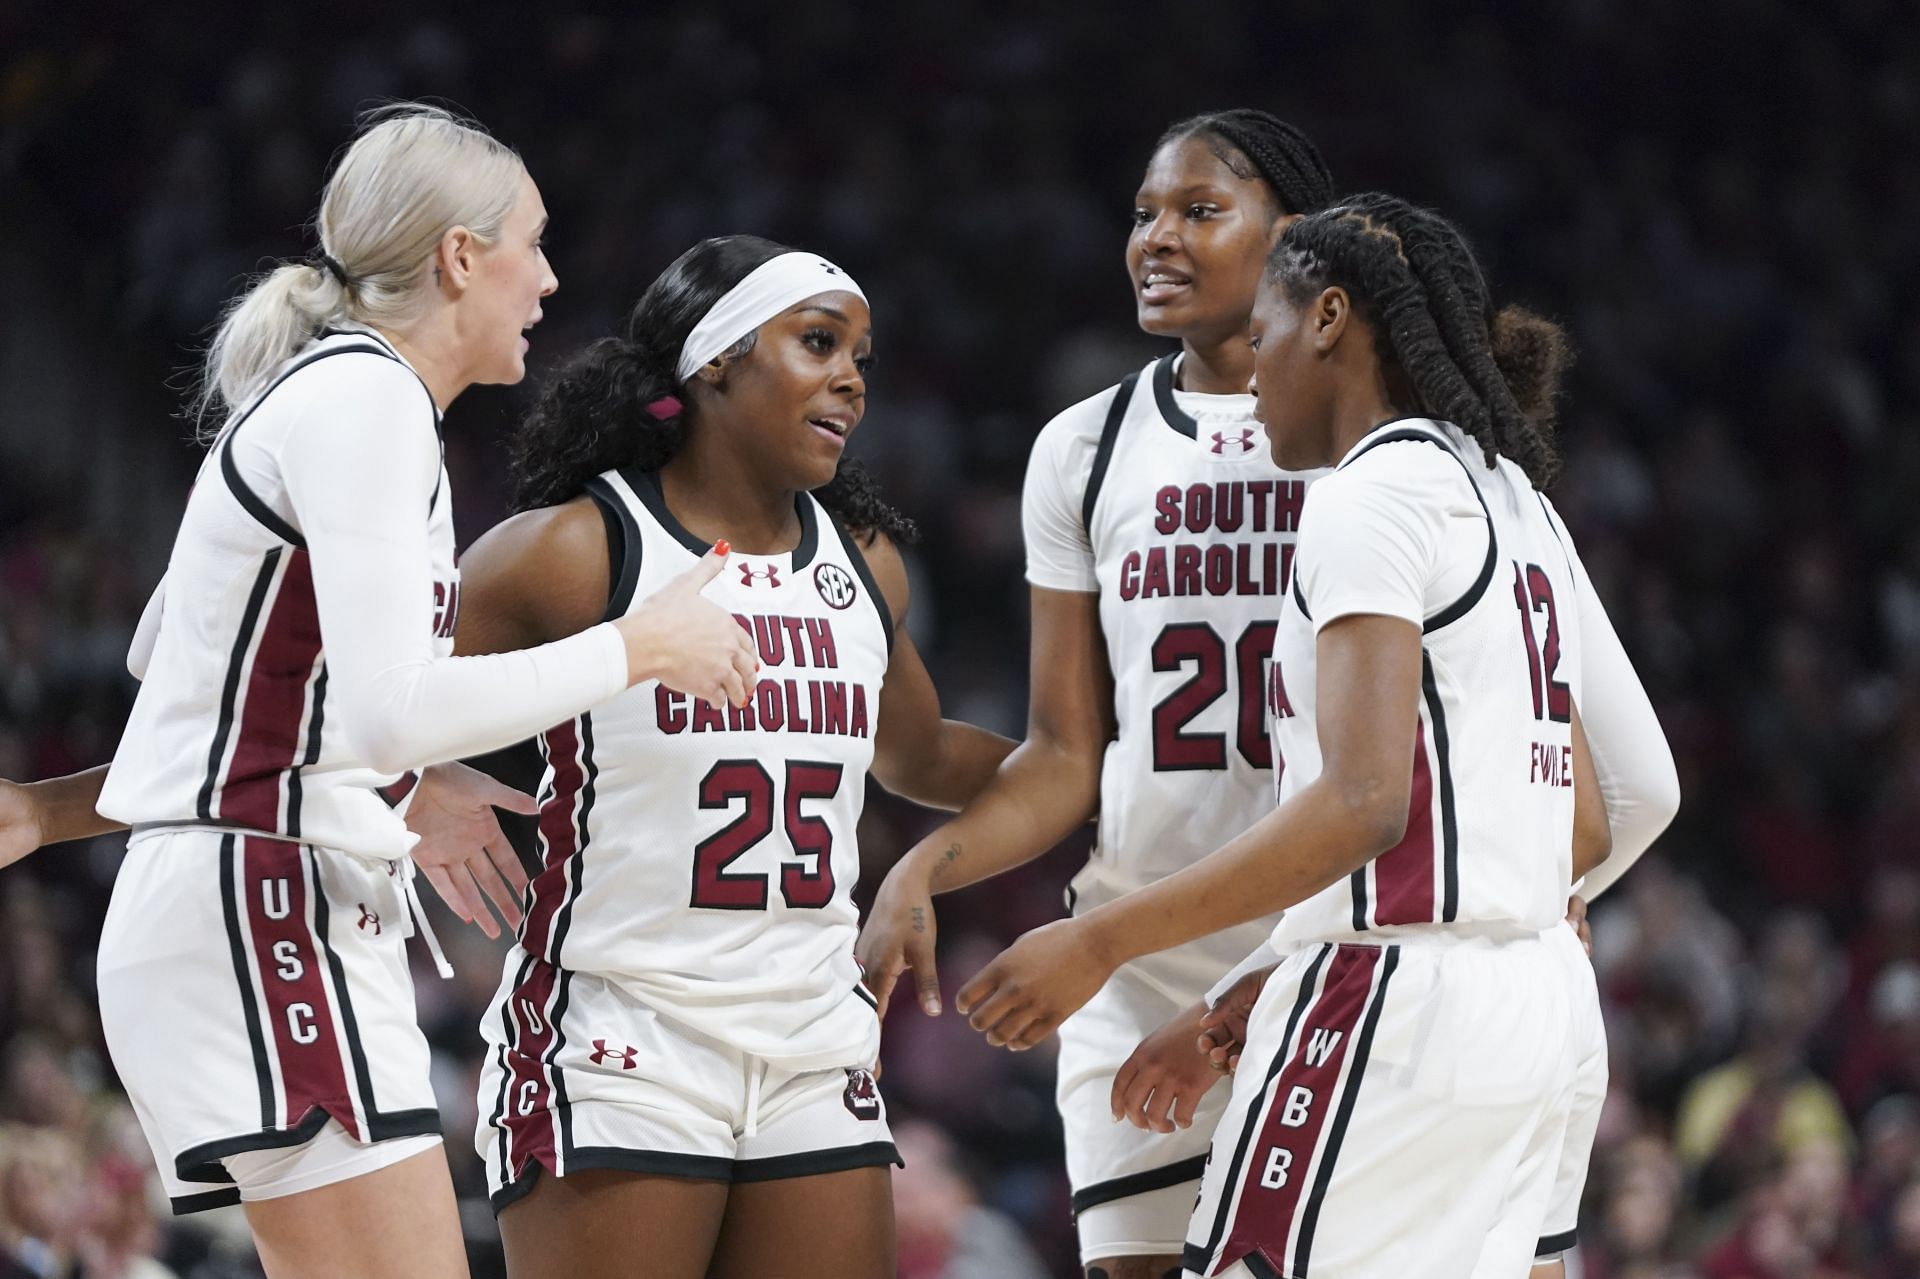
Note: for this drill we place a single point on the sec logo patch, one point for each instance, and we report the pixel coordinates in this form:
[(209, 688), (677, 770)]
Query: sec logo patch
[(835, 585)]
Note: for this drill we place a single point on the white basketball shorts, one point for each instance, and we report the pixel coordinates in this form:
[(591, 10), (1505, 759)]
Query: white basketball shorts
[(251, 990), (1398, 1108), (580, 1074), (1133, 1191)]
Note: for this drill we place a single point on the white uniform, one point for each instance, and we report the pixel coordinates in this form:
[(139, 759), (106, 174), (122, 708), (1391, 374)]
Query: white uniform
[(1169, 506), (1409, 1072), (684, 997), (252, 980)]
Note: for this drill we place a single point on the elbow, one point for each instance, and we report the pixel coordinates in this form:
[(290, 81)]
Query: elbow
[(1662, 802), (380, 744), (1375, 813)]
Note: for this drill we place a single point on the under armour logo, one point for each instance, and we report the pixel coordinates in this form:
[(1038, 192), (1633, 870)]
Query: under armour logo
[(769, 574), (368, 917), (830, 268), (1240, 441), (835, 585), (629, 1057)]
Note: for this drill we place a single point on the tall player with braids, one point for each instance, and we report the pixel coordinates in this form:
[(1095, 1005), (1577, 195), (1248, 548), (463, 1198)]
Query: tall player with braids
[(1409, 1071), (678, 1075), (296, 669), (1159, 539)]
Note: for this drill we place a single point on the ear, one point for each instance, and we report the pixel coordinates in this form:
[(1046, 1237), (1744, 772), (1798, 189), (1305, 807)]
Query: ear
[(1328, 318), (453, 260), (714, 372)]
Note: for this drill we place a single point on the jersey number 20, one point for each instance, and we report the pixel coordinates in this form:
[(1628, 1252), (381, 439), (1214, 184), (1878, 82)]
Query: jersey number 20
[(804, 886), (1176, 750)]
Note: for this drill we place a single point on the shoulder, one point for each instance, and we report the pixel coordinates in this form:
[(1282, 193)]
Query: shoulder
[(340, 387), (549, 567), (1078, 426), (889, 570)]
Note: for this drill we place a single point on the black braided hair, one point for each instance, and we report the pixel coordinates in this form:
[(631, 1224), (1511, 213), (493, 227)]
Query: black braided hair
[(1259, 145), (1412, 277), (592, 415)]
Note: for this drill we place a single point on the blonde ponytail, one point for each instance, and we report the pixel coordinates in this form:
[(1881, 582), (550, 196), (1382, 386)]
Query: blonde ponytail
[(414, 173)]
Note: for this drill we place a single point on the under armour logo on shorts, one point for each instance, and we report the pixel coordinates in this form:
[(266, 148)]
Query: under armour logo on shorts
[(629, 1057)]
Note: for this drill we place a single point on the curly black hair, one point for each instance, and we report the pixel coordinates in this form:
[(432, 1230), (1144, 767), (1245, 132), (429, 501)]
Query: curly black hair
[(593, 415), (1413, 277), (1258, 145)]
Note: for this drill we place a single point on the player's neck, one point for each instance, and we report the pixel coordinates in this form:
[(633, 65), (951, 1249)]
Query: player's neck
[(431, 354), (715, 494), (1358, 408), (1220, 366)]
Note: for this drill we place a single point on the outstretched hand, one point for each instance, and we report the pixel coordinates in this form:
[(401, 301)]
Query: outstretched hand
[(462, 850), (1034, 985), (1160, 1085)]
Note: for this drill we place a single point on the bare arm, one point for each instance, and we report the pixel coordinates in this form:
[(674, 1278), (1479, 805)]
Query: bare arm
[(34, 814), (918, 754), (1046, 788), (1369, 689)]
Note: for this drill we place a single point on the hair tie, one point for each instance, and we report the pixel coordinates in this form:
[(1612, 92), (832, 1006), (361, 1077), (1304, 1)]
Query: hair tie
[(665, 409), (323, 261)]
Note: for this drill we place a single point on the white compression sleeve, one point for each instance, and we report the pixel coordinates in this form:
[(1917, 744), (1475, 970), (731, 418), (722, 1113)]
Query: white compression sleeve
[(359, 469)]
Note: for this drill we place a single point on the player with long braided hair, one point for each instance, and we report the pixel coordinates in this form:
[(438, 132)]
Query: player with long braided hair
[(1409, 1071), (1159, 536)]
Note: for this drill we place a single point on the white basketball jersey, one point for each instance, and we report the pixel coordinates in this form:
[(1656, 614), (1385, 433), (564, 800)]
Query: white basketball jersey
[(1490, 825), (1191, 531), (704, 857), (231, 726)]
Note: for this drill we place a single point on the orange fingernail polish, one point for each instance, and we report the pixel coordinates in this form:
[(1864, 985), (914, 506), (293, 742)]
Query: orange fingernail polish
[(722, 548)]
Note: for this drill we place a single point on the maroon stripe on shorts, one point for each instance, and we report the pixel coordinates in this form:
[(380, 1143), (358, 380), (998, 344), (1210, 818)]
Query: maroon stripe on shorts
[(1403, 875), (559, 836), (1298, 1105), (529, 1109), (287, 961), (279, 686)]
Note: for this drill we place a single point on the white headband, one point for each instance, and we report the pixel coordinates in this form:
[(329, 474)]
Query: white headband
[(768, 290)]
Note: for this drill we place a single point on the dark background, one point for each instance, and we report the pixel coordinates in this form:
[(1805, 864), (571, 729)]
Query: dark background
[(1720, 201)]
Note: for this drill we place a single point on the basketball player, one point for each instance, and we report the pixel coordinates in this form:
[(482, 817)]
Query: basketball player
[(253, 987), (678, 1077), (1409, 1071), (1159, 538)]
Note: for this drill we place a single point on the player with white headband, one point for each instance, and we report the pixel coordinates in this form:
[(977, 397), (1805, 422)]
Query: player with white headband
[(679, 1062)]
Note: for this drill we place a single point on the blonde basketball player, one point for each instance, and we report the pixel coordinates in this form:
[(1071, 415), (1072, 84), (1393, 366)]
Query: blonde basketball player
[(679, 1071), (1409, 1070), (1159, 536), (296, 666)]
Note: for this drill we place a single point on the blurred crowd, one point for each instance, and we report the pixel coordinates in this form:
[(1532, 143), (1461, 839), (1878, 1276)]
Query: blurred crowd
[(1718, 200)]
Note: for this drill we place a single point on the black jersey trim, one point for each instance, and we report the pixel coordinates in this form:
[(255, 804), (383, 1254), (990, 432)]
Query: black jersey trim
[(243, 975), (589, 776), (1103, 452), (184, 1204), (1462, 606), (1343, 1115), (859, 561), (1139, 1183), (236, 667), (316, 721), (646, 486), (624, 547), (1552, 1245), (1224, 1210), (816, 1163), (556, 1074), (1449, 832), (250, 501), (614, 1159), (1176, 417)]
